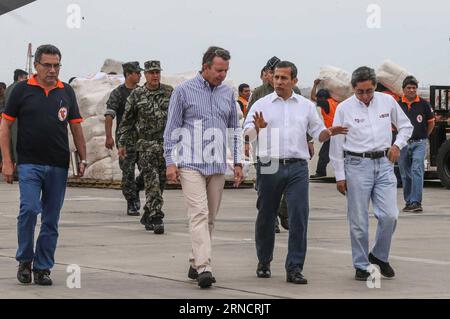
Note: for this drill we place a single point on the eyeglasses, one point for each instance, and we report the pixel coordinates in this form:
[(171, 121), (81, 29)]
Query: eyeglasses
[(49, 66), (362, 92)]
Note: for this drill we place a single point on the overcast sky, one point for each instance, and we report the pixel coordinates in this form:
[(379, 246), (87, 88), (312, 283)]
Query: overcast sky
[(414, 34)]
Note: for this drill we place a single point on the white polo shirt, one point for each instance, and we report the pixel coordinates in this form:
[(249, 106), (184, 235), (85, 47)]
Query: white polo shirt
[(369, 128), (287, 124)]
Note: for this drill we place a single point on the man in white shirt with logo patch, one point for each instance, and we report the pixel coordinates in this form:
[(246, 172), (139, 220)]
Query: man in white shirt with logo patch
[(363, 162)]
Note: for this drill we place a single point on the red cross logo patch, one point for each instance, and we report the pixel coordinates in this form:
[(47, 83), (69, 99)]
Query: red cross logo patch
[(419, 118), (62, 114)]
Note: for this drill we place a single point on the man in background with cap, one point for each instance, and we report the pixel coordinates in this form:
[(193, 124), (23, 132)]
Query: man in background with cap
[(412, 156), (146, 114), (267, 87), (115, 108), (261, 91)]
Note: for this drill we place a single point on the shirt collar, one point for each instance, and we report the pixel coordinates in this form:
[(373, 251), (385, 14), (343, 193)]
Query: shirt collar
[(203, 82), (405, 100), (362, 104), (274, 97), (34, 82)]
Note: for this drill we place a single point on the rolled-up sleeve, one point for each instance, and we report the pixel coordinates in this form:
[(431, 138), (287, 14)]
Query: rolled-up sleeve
[(112, 105)]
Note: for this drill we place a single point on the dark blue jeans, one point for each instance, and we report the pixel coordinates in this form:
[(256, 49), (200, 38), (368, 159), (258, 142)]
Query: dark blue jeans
[(292, 180), (42, 190)]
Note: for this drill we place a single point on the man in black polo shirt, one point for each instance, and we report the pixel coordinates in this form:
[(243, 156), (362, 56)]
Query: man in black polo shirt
[(412, 156), (44, 107)]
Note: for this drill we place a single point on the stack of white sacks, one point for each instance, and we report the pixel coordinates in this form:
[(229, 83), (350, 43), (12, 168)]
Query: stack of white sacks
[(338, 81), (92, 94)]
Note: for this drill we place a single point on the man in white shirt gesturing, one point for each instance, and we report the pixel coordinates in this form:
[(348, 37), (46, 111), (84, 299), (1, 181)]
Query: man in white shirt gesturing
[(363, 162), (280, 122)]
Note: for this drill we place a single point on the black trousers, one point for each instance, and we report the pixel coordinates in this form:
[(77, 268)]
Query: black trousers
[(324, 158)]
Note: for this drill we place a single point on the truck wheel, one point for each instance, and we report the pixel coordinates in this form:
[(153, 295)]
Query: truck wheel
[(443, 164)]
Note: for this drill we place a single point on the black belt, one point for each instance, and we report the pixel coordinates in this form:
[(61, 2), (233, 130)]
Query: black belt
[(283, 161), (371, 155), (412, 140)]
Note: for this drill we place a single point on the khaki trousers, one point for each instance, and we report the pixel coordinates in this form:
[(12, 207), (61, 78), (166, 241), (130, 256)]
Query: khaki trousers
[(202, 195)]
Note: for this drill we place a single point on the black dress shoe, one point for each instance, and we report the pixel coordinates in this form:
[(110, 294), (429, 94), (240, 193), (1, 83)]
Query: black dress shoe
[(296, 277), (263, 271), (24, 272), (277, 228), (205, 279), (42, 277), (385, 269), (192, 273), (361, 274), (284, 221), (131, 209)]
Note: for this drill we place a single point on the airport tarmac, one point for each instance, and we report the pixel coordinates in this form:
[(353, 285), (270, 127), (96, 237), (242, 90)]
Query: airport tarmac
[(119, 259)]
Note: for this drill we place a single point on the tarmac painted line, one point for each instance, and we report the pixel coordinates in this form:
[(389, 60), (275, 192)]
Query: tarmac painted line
[(122, 272), (335, 251)]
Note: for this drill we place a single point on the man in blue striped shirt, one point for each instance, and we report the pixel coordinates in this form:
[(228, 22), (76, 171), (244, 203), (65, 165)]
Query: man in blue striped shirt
[(202, 119)]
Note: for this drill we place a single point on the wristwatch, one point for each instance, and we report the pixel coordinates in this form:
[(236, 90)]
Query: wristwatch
[(84, 162)]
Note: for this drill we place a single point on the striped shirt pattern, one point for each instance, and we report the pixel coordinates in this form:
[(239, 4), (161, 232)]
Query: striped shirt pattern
[(202, 122)]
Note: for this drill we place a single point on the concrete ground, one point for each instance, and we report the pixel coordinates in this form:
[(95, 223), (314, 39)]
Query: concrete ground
[(119, 259)]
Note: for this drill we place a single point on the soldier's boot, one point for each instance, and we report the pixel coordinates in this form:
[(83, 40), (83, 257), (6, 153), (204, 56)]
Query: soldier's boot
[(131, 209), (137, 202), (147, 221), (158, 225), (143, 218), (139, 187)]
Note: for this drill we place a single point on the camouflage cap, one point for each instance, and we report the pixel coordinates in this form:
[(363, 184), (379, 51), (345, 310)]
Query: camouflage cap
[(131, 67), (273, 61), (152, 65)]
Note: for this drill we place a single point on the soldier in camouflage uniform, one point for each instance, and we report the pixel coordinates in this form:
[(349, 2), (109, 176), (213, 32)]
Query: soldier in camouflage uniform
[(115, 108), (146, 113)]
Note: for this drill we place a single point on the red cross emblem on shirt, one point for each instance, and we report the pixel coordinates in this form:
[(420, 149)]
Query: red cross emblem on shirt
[(62, 114)]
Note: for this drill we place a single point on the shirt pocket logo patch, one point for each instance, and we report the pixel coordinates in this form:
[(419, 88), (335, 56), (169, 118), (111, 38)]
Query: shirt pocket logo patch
[(62, 114), (419, 118), (384, 115)]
